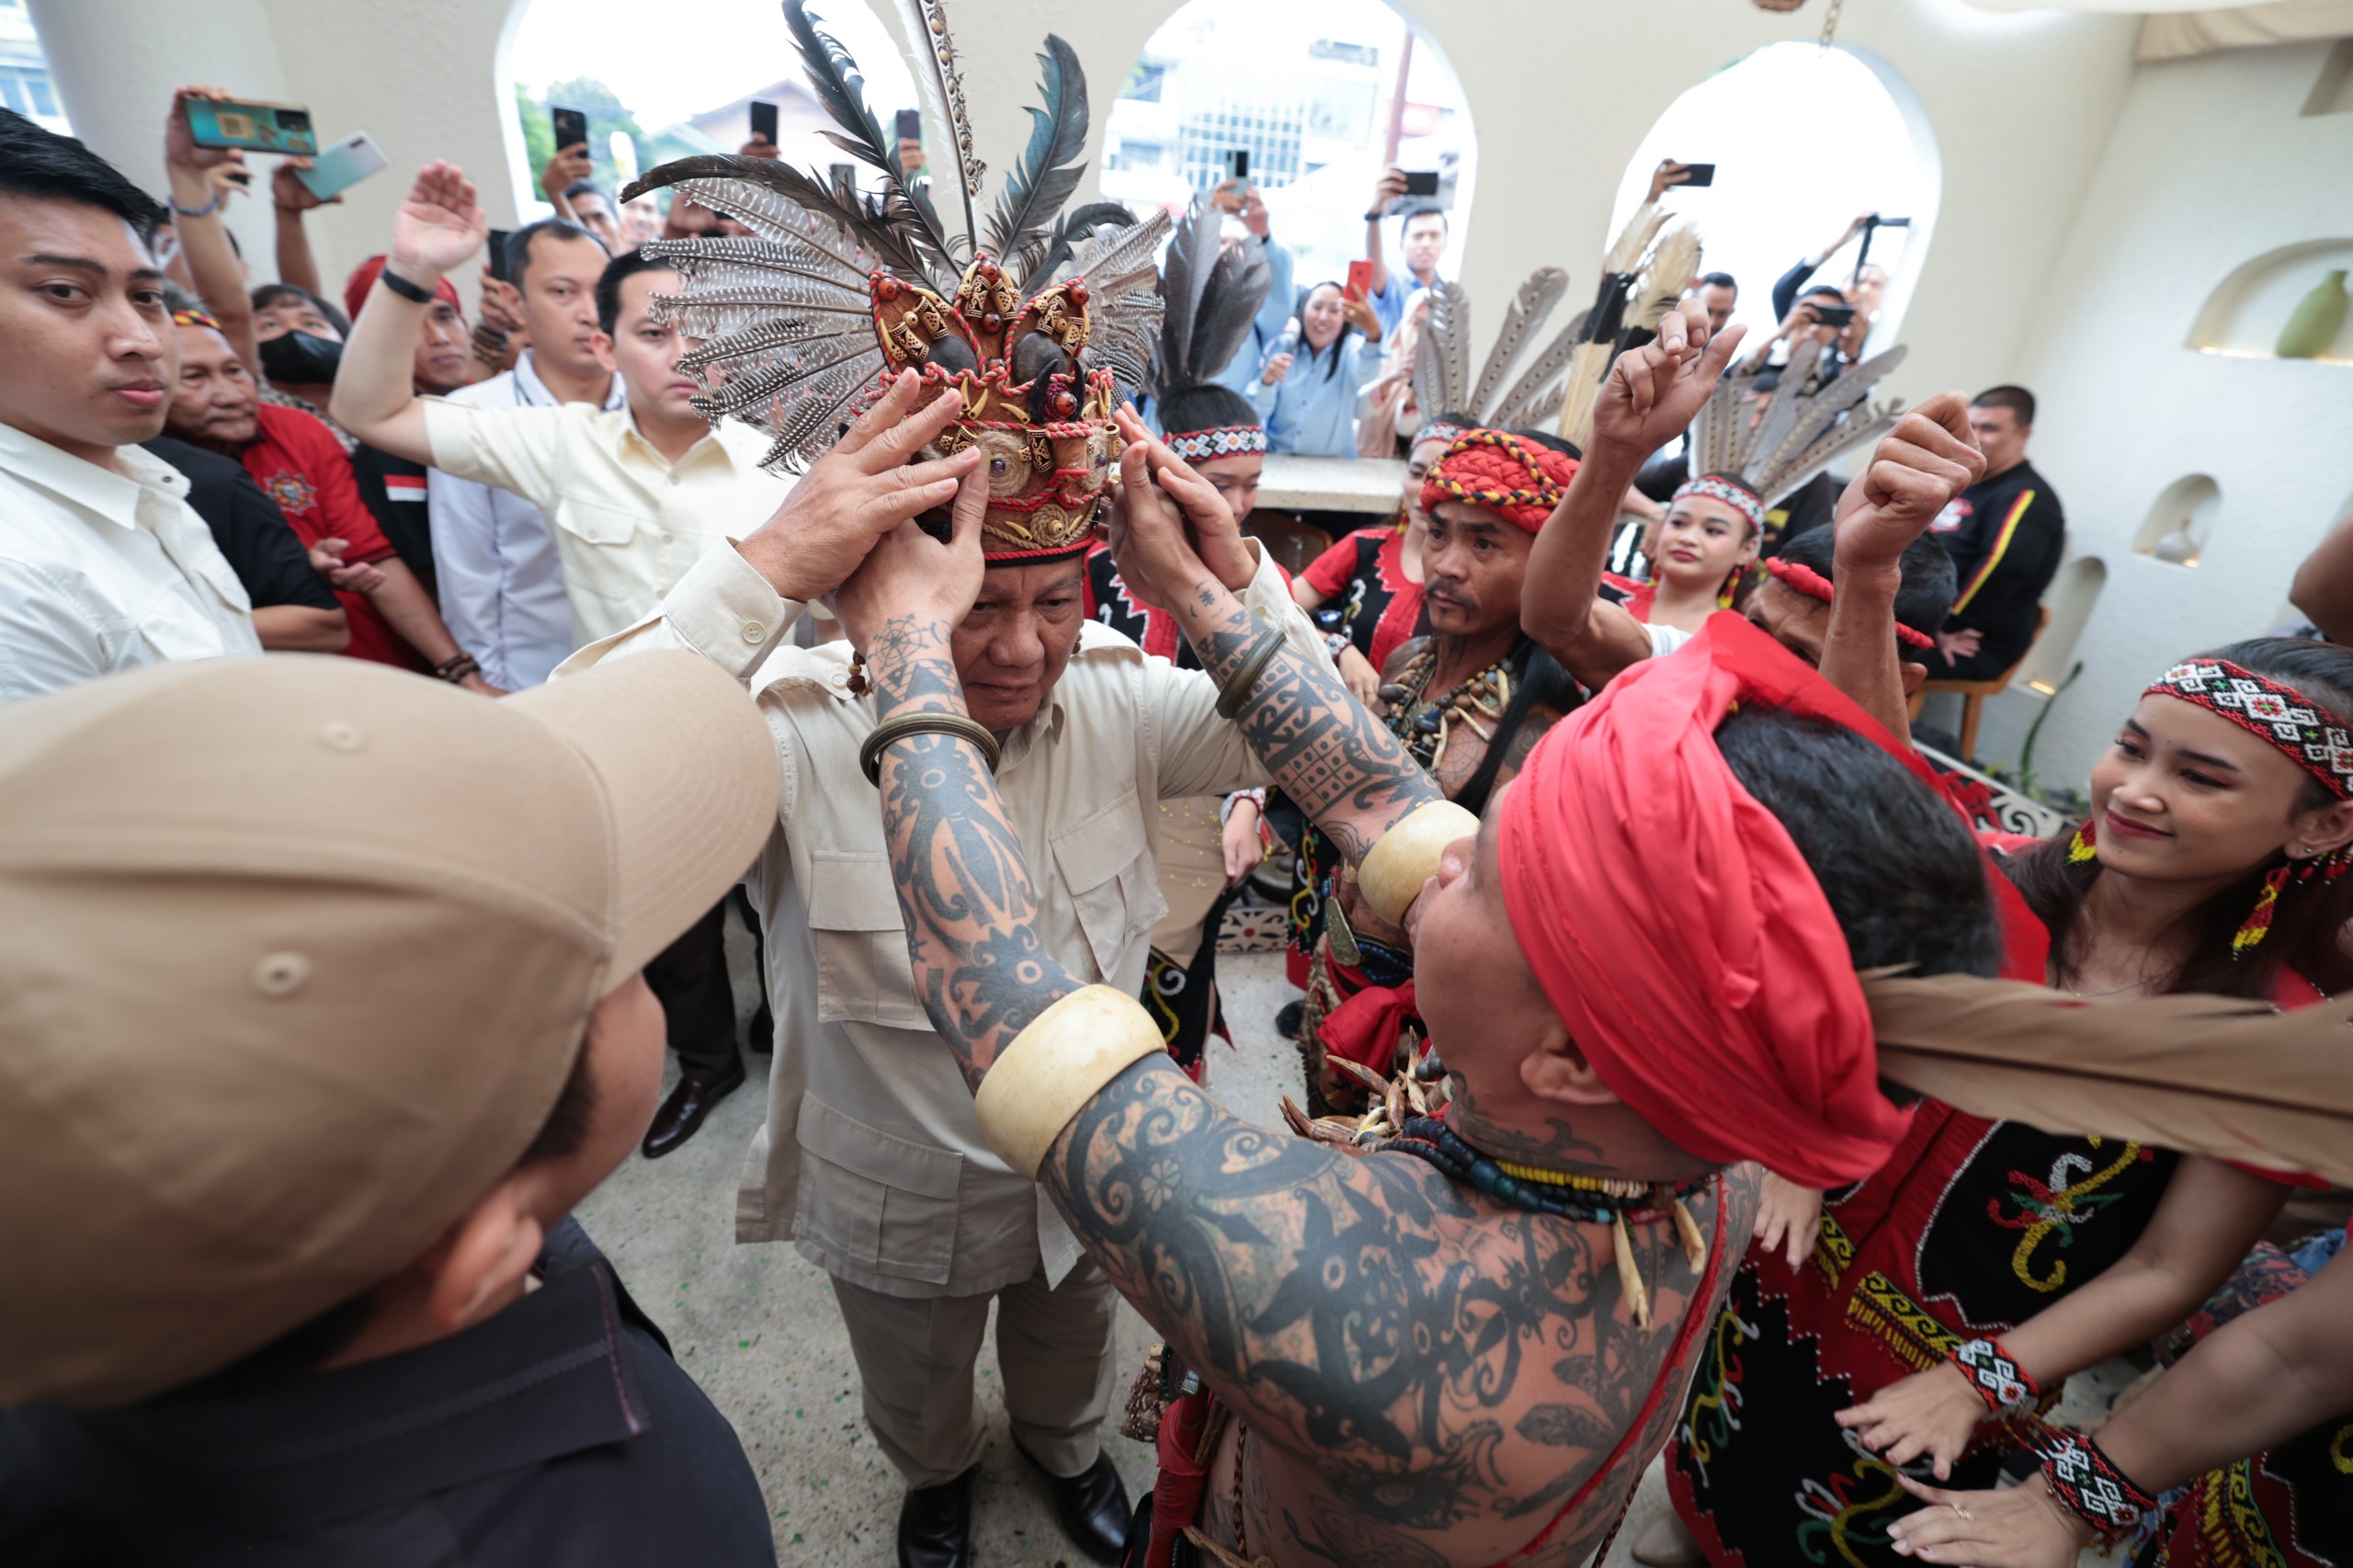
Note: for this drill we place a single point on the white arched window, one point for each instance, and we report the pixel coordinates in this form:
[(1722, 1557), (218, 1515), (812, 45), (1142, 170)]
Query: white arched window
[(1803, 138), (1320, 94)]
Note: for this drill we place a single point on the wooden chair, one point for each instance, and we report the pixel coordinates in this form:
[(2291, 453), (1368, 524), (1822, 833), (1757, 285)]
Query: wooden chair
[(1973, 693)]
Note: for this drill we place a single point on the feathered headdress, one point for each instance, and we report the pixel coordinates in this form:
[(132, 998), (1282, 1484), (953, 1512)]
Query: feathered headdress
[(799, 327), (1642, 275), (1442, 382), (1210, 294), (1803, 428)]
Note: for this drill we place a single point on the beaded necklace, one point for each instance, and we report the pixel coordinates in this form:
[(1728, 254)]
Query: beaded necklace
[(1565, 1195), (1424, 725)]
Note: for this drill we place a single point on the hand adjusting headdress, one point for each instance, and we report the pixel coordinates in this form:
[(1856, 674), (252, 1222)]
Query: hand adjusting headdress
[(1039, 322)]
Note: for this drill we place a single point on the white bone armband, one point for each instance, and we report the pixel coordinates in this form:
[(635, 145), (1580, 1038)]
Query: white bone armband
[(1063, 1060), (1405, 857)]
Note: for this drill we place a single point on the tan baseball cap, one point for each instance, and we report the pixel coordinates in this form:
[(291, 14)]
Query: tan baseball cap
[(299, 953)]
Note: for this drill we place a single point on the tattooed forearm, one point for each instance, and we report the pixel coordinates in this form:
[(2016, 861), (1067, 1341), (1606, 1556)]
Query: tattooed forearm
[(1342, 766), (964, 890)]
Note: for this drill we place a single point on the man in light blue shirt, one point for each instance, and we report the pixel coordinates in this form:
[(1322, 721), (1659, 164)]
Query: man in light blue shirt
[(501, 580), (1274, 315), (1421, 242)]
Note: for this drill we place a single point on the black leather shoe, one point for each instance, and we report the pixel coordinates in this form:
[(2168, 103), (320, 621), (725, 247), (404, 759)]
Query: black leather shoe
[(1092, 1505), (683, 1112), (1287, 1021), (936, 1524)]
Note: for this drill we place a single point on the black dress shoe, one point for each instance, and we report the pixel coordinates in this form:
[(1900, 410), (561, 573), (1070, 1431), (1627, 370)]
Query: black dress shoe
[(1092, 1505), (682, 1113), (936, 1524), (1288, 1020)]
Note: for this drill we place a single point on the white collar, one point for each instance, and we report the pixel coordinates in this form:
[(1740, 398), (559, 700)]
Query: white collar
[(113, 493)]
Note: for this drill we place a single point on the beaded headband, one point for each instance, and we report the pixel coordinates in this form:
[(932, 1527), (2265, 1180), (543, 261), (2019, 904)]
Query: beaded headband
[(195, 318), (1225, 441), (2305, 733), (1813, 585), (1731, 494), (1438, 430)]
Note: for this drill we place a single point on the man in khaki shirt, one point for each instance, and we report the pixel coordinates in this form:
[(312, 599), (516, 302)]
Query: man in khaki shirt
[(872, 1162), (637, 495)]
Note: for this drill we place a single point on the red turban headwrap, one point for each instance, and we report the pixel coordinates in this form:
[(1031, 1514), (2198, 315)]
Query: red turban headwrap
[(1677, 931), (363, 277), (1520, 481)]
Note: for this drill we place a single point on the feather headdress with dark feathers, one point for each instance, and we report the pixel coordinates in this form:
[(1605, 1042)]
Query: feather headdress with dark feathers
[(1805, 424), (1442, 380), (1210, 295)]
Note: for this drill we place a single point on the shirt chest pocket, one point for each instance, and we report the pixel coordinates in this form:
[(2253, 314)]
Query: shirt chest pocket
[(1104, 867), (607, 529), (863, 974)]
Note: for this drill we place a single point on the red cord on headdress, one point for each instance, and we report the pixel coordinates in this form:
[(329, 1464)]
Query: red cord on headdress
[(1813, 585)]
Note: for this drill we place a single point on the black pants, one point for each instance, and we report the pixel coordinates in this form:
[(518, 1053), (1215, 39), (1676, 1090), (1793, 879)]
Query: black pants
[(1983, 664), (690, 978)]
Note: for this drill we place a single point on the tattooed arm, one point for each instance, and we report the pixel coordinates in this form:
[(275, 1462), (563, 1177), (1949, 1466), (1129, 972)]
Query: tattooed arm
[(1342, 766)]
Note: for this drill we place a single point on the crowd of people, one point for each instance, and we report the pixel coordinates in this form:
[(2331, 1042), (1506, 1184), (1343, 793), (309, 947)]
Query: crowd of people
[(789, 554)]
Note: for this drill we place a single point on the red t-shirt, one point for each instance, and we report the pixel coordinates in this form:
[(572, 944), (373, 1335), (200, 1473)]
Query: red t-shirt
[(299, 464)]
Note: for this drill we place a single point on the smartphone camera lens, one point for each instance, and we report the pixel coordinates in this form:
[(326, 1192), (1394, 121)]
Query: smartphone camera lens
[(295, 121)]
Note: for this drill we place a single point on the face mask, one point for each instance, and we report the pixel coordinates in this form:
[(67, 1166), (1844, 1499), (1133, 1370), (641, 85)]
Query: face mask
[(301, 358)]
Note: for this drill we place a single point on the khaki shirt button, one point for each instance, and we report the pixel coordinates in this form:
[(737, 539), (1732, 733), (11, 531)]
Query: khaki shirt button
[(755, 632)]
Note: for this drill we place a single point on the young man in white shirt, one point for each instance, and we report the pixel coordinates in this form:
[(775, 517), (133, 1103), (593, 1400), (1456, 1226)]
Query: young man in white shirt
[(103, 565), (637, 495), (502, 582)]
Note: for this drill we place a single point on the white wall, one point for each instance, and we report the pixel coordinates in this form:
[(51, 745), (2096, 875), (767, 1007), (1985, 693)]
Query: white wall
[(2211, 164), (1562, 93)]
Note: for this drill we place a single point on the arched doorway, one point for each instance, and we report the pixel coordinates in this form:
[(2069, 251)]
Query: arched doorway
[(1321, 94), (1803, 138)]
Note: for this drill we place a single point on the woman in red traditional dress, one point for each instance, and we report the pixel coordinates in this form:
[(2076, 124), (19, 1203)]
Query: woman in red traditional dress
[(1706, 542), (1366, 591), (1947, 1297)]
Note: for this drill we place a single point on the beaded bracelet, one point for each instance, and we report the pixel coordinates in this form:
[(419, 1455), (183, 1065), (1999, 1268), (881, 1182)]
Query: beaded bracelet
[(2006, 1388), (2088, 1482), (457, 667)]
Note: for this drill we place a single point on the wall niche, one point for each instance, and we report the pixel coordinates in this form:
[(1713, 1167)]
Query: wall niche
[(2070, 598), (2242, 317), (2181, 523)]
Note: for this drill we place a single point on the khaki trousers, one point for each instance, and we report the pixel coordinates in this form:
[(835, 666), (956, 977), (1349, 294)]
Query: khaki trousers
[(917, 1354)]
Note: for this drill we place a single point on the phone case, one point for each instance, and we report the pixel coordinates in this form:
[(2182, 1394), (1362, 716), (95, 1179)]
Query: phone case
[(342, 165), (258, 128)]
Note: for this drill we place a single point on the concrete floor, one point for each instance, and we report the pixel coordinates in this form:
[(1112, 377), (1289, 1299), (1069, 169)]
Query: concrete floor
[(756, 1326)]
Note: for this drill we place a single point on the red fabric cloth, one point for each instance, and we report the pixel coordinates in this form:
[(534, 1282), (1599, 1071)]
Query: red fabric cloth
[(363, 277), (1364, 1028), (1520, 481), (1677, 930), (299, 464), (1328, 574), (1340, 570), (1176, 1492)]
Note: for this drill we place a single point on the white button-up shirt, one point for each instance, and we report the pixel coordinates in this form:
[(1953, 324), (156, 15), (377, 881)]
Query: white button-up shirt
[(106, 569), (628, 522), (501, 579), (872, 1159)]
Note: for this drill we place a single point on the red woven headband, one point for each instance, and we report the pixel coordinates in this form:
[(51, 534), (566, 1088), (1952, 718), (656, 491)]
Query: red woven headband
[(1520, 481), (1813, 585), (2305, 733)]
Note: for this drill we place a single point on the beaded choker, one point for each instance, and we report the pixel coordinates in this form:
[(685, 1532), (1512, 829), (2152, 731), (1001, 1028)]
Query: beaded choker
[(2305, 733), (1565, 1194)]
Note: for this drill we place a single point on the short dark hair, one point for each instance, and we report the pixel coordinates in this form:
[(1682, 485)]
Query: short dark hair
[(1819, 290), (586, 187), (1206, 407), (1719, 280), (271, 294), (1923, 597), (1897, 866), (39, 165), (2017, 400), (629, 264), (1423, 210), (517, 256)]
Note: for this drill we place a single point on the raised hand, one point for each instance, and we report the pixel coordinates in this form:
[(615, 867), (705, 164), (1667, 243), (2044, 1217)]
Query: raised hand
[(869, 484), (439, 226), (289, 194), (1363, 317), (567, 168), (1277, 366), (909, 577), (1653, 392), (1174, 523), (1920, 466), (180, 150)]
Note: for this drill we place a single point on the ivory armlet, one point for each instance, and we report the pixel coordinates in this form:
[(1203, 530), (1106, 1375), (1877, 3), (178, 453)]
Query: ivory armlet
[(1407, 855), (1063, 1060)]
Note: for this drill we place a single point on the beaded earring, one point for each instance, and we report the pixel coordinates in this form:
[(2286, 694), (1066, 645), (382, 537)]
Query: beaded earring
[(2324, 868), (2081, 848)]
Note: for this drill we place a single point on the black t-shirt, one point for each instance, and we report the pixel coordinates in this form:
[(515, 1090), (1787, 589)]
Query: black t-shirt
[(261, 547), (2005, 535), (393, 489)]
